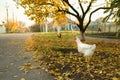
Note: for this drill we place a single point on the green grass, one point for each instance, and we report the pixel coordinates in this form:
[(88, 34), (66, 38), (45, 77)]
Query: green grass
[(110, 35)]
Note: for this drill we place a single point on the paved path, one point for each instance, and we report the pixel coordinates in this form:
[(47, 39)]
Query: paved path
[(11, 47)]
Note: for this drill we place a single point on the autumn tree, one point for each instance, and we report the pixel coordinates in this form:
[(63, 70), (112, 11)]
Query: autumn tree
[(14, 26), (11, 26), (114, 11), (60, 20), (38, 10)]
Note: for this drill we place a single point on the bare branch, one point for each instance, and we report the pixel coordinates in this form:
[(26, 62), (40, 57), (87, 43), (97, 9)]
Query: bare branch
[(97, 10), (94, 12), (81, 6), (65, 11), (88, 8), (72, 7)]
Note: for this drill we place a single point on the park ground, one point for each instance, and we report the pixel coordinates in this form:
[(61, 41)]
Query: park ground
[(44, 56), (60, 57)]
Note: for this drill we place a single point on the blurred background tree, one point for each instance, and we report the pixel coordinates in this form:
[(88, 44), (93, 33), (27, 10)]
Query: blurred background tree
[(15, 26), (11, 26), (35, 28), (114, 11)]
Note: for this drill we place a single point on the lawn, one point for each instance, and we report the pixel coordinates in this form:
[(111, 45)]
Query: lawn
[(59, 57), (109, 35)]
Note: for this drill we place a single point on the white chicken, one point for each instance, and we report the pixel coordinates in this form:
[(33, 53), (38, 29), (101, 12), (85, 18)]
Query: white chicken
[(86, 49)]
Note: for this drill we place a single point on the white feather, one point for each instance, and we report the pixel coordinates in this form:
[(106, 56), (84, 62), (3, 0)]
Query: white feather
[(86, 49)]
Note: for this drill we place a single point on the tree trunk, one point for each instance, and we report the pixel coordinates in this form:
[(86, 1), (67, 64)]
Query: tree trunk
[(82, 33), (46, 27)]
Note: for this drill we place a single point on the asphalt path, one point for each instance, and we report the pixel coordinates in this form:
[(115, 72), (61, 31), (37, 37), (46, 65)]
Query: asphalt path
[(13, 55)]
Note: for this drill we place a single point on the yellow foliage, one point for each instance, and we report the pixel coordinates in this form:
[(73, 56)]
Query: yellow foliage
[(12, 26), (60, 20), (39, 9)]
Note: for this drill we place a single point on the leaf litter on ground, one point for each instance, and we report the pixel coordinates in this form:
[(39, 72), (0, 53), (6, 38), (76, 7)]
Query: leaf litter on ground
[(60, 58)]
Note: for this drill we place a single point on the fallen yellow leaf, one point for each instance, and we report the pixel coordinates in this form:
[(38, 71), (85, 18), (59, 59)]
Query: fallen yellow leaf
[(116, 78), (22, 79), (15, 76), (1, 72)]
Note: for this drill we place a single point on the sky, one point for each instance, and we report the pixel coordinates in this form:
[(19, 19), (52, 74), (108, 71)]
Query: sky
[(13, 12), (20, 16), (96, 15)]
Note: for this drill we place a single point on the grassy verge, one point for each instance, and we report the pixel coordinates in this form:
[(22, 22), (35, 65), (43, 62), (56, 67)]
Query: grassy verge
[(60, 58), (111, 35)]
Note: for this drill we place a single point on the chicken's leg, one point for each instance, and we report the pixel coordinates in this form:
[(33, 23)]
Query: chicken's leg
[(87, 59)]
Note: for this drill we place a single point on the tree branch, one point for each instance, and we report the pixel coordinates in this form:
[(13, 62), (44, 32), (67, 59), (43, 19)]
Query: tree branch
[(71, 7), (65, 11), (94, 12), (81, 6), (88, 8)]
